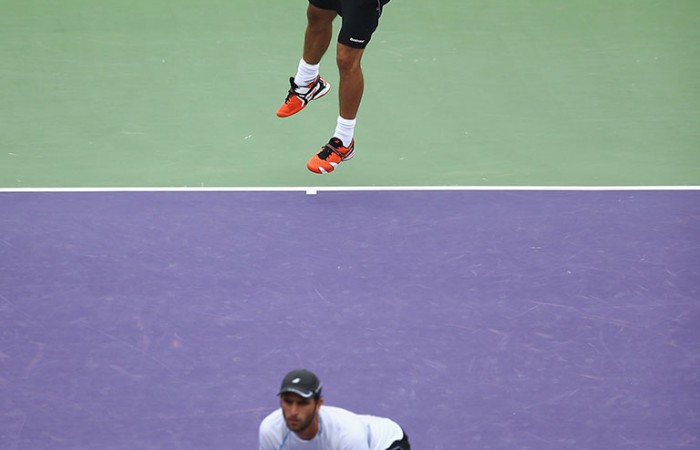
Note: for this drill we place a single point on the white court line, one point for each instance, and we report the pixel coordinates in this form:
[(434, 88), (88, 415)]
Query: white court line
[(314, 190)]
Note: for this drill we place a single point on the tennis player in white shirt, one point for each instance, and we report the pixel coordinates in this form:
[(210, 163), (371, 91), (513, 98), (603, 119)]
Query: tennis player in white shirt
[(303, 423)]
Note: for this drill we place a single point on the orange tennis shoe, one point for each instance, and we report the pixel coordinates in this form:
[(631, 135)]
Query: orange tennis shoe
[(295, 101), (332, 154)]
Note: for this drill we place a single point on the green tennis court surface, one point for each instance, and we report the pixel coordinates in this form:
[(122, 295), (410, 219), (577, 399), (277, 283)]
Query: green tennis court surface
[(179, 93)]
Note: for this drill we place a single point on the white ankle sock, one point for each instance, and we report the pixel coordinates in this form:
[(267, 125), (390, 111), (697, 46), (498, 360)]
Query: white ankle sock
[(344, 130), (305, 74)]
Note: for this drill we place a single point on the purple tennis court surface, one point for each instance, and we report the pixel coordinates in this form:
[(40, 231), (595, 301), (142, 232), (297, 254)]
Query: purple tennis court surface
[(476, 319)]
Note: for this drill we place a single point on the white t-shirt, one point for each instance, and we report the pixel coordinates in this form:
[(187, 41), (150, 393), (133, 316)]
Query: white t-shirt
[(338, 429)]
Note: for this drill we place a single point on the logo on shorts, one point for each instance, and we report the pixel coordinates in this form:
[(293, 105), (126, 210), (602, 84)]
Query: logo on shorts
[(359, 41)]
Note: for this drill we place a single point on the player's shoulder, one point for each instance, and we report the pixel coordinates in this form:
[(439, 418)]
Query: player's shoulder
[(337, 412), (273, 421), (378, 429), (271, 431), (340, 419), (341, 428)]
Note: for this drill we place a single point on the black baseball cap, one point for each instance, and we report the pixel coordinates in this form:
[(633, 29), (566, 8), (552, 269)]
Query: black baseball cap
[(301, 382)]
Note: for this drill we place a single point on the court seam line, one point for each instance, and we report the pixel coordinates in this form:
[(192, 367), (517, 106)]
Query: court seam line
[(313, 190)]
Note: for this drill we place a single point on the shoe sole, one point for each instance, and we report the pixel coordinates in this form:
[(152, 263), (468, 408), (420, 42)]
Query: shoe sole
[(322, 171), (321, 93)]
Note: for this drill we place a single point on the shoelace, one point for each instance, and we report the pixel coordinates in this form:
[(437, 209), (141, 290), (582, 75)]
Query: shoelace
[(328, 149), (292, 92)]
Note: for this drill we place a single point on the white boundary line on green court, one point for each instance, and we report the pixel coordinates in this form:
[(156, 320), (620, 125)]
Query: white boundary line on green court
[(314, 190)]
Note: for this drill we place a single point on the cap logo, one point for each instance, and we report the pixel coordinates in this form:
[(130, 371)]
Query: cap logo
[(296, 380)]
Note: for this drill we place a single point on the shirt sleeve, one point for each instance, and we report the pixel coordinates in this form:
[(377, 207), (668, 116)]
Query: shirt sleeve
[(354, 444), (354, 438), (266, 437)]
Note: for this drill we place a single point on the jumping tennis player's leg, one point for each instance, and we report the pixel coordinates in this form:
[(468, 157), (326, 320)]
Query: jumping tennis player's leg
[(307, 84), (319, 31), (352, 80), (360, 20)]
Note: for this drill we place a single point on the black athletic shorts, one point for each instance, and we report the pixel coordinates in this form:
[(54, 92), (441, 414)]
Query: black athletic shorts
[(360, 19), (400, 445)]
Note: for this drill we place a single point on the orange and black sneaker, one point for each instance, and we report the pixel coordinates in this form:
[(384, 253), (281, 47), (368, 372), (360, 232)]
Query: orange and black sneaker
[(295, 101), (332, 154)]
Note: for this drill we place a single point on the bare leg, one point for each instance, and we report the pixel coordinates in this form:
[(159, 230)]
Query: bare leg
[(352, 82), (318, 35)]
